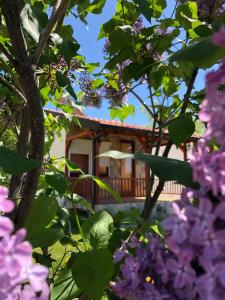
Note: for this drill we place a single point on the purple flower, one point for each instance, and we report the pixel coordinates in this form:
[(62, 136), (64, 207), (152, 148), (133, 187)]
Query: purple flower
[(219, 37), (5, 204), (19, 277), (177, 224), (184, 275), (138, 25), (106, 46)]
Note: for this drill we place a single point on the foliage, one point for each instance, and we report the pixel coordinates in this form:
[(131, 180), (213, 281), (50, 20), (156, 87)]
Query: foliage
[(145, 49)]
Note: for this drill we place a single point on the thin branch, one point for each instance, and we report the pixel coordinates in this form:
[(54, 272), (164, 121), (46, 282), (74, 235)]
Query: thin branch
[(57, 13), (10, 71), (7, 55), (12, 87), (144, 104)]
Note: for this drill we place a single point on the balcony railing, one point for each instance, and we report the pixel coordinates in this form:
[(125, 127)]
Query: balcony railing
[(126, 187)]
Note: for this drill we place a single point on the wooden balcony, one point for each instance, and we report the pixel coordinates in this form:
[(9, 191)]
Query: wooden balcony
[(130, 189)]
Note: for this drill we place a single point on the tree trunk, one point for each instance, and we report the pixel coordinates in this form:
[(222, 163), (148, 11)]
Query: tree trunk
[(26, 72)]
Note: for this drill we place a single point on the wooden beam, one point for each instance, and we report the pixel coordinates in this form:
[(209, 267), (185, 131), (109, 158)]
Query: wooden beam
[(80, 135)]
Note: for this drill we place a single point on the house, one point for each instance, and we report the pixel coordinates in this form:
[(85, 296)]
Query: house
[(82, 145)]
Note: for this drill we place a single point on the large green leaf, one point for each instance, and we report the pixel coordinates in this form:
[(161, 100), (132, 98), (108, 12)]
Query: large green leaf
[(98, 229), (92, 271), (68, 49), (13, 163), (119, 38), (46, 237), (201, 54), (144, 8), (181, 129), (43, 210), (167, 169), (57, 182), (61, 79), (101, 184), (64, 287), (30, 22)]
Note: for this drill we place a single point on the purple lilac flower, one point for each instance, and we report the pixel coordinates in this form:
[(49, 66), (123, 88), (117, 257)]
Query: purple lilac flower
[(19, 277), (106, 46), (138, 25), (219, 37), (6, 205)]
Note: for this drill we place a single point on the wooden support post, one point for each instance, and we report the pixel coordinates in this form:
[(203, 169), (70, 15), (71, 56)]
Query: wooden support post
[(95, 167)]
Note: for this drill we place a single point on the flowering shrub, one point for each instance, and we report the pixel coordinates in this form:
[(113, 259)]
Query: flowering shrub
[(19, 277), (190, 264)]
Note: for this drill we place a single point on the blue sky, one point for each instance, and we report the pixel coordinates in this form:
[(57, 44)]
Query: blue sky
[(91, 48)]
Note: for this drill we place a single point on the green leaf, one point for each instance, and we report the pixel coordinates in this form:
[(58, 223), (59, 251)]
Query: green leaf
[(46, 237), (136, 70), (71, 91), (96, 6), (97, 83), (116, 154), (43, 209), (14, 164), (98, 229), (102, 185), (64, 287), (30, 22), (144, 8), (72, 166), (61, 79), (166, 169), (92, 271), (123, 112), (119, 39), (202, 54), (68, 49), (109, 26), (83, 202), (57, 182), (181, 129), (157, 7)]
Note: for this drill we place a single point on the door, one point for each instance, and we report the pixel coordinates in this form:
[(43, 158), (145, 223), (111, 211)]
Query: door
[(83, 188)]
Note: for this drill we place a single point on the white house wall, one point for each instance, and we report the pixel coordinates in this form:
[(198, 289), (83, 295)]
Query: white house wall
[(175, 152), (58, 146), (82, 146)]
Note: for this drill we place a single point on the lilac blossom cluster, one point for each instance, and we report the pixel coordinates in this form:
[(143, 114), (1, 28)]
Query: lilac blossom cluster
[(117, 96), (91, 96), (138, 25), (190, 263), (19, 277)]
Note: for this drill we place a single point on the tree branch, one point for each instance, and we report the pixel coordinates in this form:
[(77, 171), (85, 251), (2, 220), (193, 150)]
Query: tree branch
[(151, 202), (57, 13), (12, 87), (144, 104)]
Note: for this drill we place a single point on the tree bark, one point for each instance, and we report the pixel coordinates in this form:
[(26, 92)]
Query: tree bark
[(22, 148), (26, 72)]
